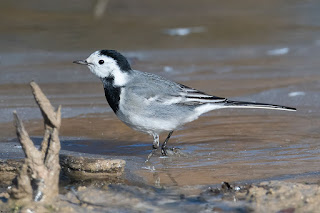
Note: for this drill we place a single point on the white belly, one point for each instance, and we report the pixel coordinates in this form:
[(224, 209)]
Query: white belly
[(147, 124)]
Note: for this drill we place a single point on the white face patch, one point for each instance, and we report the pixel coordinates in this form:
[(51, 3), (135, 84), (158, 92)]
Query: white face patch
[(120, 78), (104, 66)]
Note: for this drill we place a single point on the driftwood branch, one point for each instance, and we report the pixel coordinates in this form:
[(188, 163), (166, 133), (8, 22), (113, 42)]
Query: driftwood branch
[(38, 178)]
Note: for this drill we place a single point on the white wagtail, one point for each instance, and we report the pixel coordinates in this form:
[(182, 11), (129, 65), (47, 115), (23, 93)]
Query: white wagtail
[(152, 104)]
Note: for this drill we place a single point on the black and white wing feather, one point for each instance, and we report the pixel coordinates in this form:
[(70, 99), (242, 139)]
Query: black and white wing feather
[(195, 97), (153, 88)]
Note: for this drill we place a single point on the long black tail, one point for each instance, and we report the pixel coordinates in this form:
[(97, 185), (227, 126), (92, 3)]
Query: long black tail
[(241, 104)]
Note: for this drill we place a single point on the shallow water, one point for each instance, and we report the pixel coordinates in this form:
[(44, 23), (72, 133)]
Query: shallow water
[(265, 52)]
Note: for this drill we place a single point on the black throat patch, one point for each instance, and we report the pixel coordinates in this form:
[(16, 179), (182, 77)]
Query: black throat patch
[(112, 93)]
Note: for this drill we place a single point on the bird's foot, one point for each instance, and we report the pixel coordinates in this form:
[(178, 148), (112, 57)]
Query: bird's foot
[(165, 151)]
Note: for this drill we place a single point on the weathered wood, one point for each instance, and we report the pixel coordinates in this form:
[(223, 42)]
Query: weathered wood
[(38, 179)]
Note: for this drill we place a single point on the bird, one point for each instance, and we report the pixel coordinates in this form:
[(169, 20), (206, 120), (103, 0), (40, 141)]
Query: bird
[(152, 104)]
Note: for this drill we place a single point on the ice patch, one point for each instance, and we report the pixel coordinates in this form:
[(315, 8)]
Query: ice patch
[(297, 93), (184, 31), (167, 69), (281, 51)]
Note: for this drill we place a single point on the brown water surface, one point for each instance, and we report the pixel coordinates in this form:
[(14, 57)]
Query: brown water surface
[(253, 51)]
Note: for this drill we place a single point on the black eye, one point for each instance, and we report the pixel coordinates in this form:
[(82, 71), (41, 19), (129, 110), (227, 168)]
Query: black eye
[(101, 61)]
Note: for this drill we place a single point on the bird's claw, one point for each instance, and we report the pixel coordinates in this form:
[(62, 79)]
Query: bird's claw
[(164, 151), (169, 151)]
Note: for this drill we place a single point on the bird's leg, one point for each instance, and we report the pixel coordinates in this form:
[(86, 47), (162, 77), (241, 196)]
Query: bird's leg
[(164, 145), (155, 146)]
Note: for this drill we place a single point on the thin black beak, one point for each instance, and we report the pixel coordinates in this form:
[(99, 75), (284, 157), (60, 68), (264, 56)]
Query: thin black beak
[(82, 62)]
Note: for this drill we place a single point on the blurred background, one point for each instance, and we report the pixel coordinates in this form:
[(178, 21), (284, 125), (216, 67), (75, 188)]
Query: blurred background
[(264, 51), (142, 24)]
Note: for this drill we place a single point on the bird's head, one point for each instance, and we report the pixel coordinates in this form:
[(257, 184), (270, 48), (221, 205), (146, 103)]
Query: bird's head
[(108, 64)]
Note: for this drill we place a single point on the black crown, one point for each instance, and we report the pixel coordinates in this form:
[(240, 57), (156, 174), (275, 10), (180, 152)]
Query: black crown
[(119, 58)]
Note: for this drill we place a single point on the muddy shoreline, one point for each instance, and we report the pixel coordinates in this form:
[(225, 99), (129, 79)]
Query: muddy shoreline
[(120, 193), (125, 189)]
